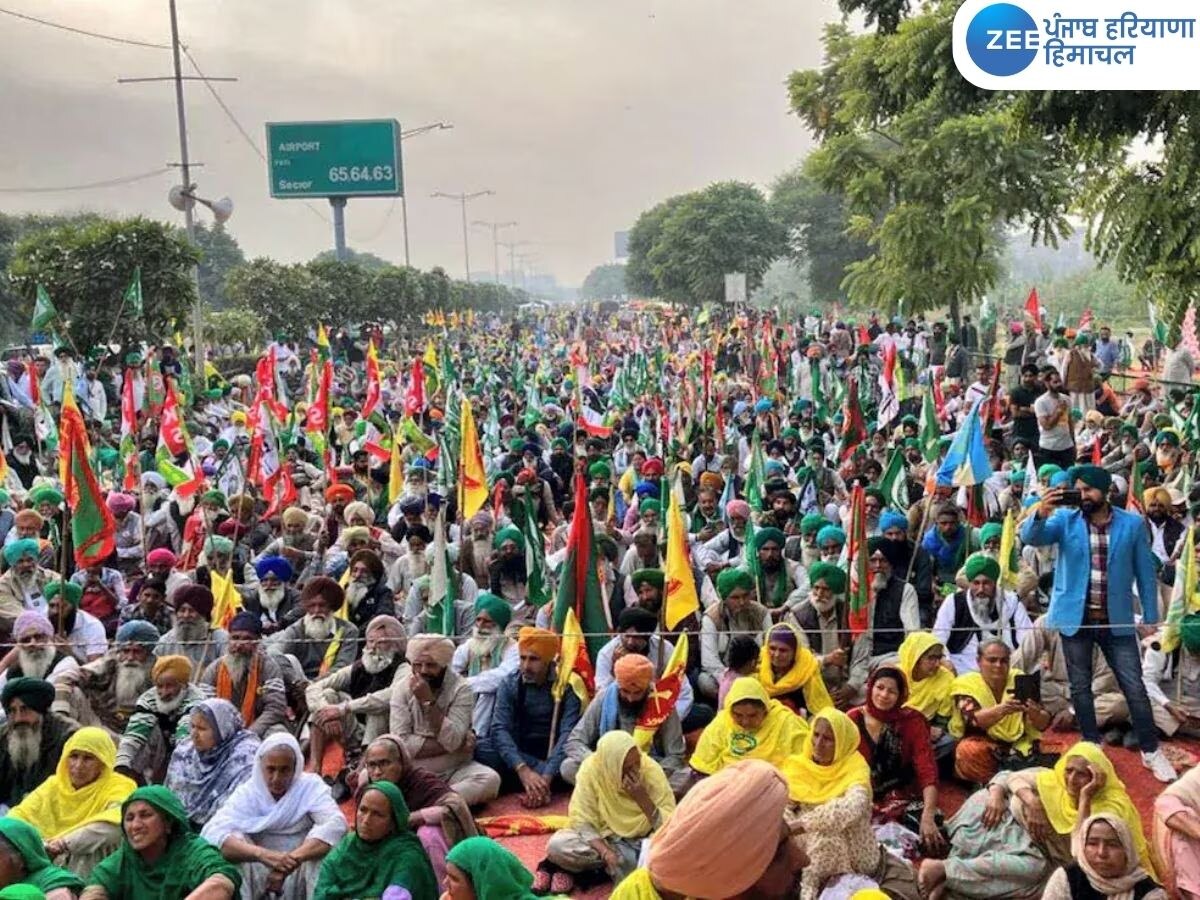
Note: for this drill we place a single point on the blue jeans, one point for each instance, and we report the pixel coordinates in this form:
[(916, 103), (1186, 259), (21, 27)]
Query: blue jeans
[(1121, 652)]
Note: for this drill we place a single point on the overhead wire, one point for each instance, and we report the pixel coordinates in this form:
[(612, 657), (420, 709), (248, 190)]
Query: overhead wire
[(110, 182), (84, 32)]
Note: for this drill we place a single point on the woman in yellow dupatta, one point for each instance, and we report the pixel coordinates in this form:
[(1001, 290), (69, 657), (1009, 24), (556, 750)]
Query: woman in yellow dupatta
[(790, 672), (77, 810), (829, 784), (751, 726), (988, 721), (929, 682)]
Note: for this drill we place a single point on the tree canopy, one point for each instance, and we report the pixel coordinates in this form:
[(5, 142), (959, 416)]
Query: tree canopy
[(220, 254), (605, 282)]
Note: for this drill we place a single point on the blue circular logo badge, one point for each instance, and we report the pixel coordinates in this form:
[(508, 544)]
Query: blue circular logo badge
[(1002, 39)]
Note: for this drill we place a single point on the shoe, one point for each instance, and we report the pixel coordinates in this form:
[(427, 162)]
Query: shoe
[(1130, 740), (1159, 765), (1113, 737)]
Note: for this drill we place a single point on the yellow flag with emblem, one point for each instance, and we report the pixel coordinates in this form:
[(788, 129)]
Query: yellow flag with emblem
[(664, 694), (682, 599)]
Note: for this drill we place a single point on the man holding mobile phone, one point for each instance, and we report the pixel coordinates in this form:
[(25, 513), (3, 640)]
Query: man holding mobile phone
[(1102, 551)]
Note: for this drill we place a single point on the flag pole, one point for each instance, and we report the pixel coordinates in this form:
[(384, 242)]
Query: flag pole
[(920, 531), (554, 724)]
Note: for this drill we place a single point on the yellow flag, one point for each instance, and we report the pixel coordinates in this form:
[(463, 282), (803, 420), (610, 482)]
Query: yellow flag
[(227, 602), (663, 696), (322, 336), (431, 357), (682, 600), (574, 667), (1008, 540), (472, 480), (1183, 594), (395, 469)]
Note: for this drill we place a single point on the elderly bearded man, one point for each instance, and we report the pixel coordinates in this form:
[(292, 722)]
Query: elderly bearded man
[(192, 635), (486, 657), (367, 594), (161, 718), (249, 679), (23, 586), (321, 642), (297, 543), (431, 716), (32, 739), (361, 689), (35, 654), (82, 633), (105, 692), (274, 600)]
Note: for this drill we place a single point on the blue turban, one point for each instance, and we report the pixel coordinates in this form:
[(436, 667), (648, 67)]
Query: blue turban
[(646, 489), (18, 550), (138, 631), (274, 565), (830, 533), (889, 518), (1058, 479), (763, 405)]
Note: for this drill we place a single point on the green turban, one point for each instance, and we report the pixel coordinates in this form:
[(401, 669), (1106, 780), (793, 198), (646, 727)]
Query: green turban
[(504, 535), (834, 578), (831, 533), (656, 577), (1092, 476), (649, 505), (1047, 471), (107, 456), (769, 536), (18, 550), (516, 445), (1167, 436), (219, 545), (978, 564), (215, 497), (70, 591), (990, 531), (495, 607), (600, 471), (45, 494), (731, 580), (1128, 429), (812, 523)]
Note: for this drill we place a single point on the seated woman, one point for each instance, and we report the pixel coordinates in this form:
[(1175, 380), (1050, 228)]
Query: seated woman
[(994, 729), (380, 852), (621, 796), (217, 757), (790, 673), (77, 811), (929, 687), (1106, 865), (751, 726), (741, 661), (894, 740), (161, 857), (726, 839), (279, 825), (1177, 834), (480, 869), (1007, 839), (439, 815), (829, 784), (24, 863)]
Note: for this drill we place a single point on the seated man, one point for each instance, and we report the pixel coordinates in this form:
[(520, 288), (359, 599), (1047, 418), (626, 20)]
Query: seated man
[(249, 678), (151, 605), (822, 622), (486, 658), (994, 729), (636, 634), (279, 825), (1173, 684), (273, 599), (32, 738), (521, 745), (781, 586), (622, 704), (23, 586), (320, 641), (737, 612), (35, 655), (104, 692), (367, 594), (82, 633), (983, 611), (423, 617), (362, 689), (103, 593), (431, 715), (161, 718), (193, 636)]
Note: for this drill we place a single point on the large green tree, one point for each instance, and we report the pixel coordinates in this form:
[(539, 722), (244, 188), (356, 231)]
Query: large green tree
[(368, 261), (345, 289), (645, 234), (289, 299), (220, 254), (605, 282), (86, 269)]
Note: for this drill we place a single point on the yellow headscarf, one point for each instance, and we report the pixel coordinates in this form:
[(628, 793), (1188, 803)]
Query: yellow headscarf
[(1113, 798), (781, 734), (1012, 729), (810, 782), (805, 674), (598, 800), (55, 808), (929, 696)]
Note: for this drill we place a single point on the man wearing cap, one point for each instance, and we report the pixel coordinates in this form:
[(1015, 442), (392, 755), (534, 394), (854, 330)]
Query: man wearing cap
[(367, 593), (520, 745), (31, 738), (249, 678), (105, 691), (737, 612), (1103, 551), (160, 719), (23, 586), (83, 634), (984, 611), (486, 658), (128, 536), (193, 635), (351, 705), (781, 587), (321, 641), (431, 715), (273, 599), (414, 562), (23, 462)]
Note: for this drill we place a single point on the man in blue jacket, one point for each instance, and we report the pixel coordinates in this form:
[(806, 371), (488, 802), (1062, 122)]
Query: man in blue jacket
[(1102, 551)]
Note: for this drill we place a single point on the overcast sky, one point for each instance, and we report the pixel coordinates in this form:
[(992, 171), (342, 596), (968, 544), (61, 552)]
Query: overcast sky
[(578, 115)]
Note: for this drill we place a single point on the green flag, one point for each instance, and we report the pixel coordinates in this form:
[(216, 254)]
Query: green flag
[(756, 477), (931, 433), (536, 590), (133, 294), (894, 483), (43, 310), (441, 614)]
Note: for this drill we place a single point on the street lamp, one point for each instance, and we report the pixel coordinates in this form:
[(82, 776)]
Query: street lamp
[(495, 226), (462, 199), (405, 135)]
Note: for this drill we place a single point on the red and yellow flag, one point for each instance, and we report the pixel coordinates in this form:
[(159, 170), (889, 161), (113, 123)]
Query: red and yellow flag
[(663, 696), (574, 666), (93, 530), (682, 599), (373, 389), (472, 478)]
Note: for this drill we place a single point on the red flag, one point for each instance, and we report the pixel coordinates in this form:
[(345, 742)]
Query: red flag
[(35, 387), (991, 409), (283, 495), (317, 421), (854, 429), (1096, 457), (265, 375), (1085, 321), (414, 402), (858, 597), (373, 390), (129, 434), (93, 528), (1033, 309), (579, 584)]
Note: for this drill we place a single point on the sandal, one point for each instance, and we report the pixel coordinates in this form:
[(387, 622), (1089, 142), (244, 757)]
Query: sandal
[(562, 883), (542, 879)]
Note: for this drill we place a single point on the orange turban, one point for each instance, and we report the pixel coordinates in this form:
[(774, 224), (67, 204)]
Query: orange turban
[(712, 480), (178, 665), (336, 492), (633, 672), (538, 641)]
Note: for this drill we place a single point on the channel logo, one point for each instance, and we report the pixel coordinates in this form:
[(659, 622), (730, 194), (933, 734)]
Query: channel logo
[(1003, 39)]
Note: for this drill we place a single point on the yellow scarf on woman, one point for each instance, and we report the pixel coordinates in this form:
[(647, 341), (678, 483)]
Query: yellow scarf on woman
[(600, 802), (1113, 798), (55, 808), (809, 781), (1012, 729), (804, 675), (780, 735), (929, 696)]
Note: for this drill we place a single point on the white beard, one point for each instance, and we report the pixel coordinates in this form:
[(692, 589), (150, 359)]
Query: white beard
[(270, 599), (482, 646), (25, 745), (375, 661), (417, 565), (27, 583), (35, 663), (169, 706), (133, 679), (22, 458), (823, 605), (191, 632), (318, 629), (355, 592)]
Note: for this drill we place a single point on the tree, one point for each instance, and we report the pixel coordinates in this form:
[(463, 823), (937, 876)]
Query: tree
[(288, 299), (397, 295), (86, 269), (234, 327), (345, 292), (435, 288), (816, 224), (368, 261), (220, 254), (644, 235), (605, 282)]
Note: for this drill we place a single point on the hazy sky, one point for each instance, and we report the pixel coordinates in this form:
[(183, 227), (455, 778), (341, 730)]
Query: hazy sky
[(578, 115)]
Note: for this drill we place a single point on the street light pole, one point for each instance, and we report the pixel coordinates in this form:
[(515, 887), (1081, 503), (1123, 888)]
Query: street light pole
[(512, 272), (462, 199), (405, 135), (496, 226)]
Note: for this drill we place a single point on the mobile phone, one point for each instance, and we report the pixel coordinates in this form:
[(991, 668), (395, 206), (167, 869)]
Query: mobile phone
[(1070, 497), (1028, 687)]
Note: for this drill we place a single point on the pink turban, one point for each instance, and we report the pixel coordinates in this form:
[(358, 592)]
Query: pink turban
[(739, 508), (120, 504), (161, 557), (32, 622), (633, 672), (724, 833)]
